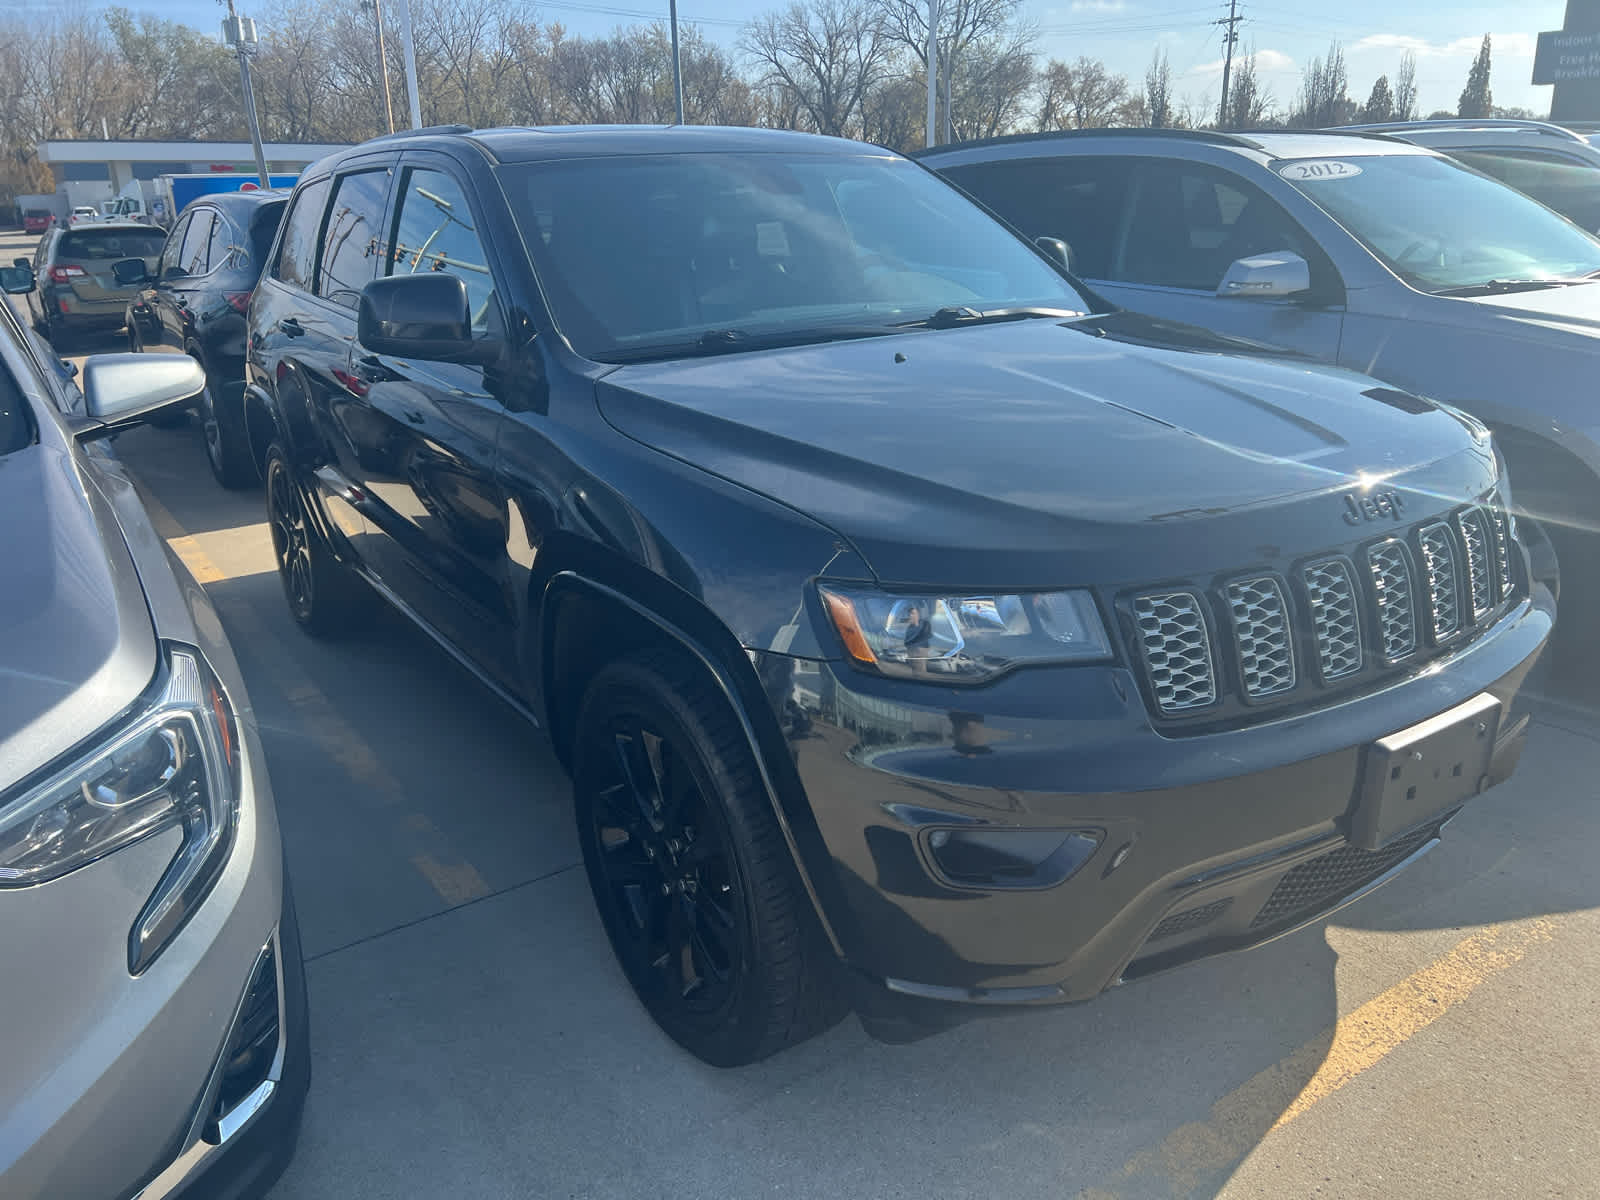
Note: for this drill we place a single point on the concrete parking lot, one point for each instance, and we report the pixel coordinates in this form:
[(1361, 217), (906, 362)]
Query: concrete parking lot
[(473, 1037)]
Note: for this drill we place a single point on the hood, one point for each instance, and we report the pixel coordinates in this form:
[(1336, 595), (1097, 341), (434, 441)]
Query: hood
[(1014, 452), (76, 642), (1575, 307)]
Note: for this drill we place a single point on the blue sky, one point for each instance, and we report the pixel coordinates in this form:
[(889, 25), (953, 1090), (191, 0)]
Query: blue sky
[(1286, 35)]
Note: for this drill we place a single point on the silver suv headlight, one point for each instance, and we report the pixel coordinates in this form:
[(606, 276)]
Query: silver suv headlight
[(174, 764), (965, 637)]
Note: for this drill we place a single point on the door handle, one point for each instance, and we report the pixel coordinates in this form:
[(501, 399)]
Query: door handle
[(291, 327)]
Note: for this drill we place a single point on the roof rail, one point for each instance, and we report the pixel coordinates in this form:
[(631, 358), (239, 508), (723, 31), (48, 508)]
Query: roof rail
[(1216, 137), (1545, 127), (425, 131)]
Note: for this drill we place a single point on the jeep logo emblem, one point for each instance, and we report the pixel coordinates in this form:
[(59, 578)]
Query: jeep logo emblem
[(1371, 508)]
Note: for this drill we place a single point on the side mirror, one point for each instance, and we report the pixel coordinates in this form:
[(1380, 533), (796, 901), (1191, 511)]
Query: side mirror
[(17, 280), (426, 316), (129, 271), (124, 390), (1056, 249), (1267, 276), (22, 262)]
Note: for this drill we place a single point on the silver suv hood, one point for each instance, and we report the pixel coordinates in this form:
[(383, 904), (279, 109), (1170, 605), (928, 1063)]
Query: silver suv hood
[(76, 642)]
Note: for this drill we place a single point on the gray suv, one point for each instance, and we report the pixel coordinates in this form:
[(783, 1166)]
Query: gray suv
[(1356, 249), (154, 1016)]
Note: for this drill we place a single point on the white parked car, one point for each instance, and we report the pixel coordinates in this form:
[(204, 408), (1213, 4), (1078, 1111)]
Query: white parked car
[(84, 214)]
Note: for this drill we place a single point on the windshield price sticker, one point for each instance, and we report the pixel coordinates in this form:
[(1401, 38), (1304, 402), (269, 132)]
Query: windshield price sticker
[(1319, 169)]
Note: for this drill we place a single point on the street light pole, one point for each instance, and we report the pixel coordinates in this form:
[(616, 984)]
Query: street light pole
[(933, 72), (677, 69), (240, 35)]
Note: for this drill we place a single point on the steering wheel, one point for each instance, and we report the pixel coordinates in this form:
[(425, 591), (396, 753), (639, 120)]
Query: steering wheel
[(1406, 255)]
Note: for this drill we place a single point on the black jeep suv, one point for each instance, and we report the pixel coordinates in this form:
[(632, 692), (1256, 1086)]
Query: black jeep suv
[(921, 634)]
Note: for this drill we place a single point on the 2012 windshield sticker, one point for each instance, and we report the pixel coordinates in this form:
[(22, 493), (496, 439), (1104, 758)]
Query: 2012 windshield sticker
[(1318, 170)]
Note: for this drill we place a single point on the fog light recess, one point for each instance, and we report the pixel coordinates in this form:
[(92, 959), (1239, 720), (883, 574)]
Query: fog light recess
[(1010, 858)]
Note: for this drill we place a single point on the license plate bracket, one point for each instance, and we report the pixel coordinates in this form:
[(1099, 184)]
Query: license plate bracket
[(1420, 773)]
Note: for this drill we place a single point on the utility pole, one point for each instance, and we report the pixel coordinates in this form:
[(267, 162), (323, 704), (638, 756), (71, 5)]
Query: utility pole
[(677, 69), (408, 50), (240, 35), (383, 60), (1230, 24), (933, 72)]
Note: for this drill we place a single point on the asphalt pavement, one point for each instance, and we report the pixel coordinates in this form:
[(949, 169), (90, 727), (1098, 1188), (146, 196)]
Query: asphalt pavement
[(472, 1036)]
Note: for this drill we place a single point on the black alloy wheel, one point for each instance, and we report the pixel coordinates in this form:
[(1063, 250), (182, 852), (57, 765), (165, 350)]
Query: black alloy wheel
[(669, 870), (227, 444), (690, 873), (324, 596)]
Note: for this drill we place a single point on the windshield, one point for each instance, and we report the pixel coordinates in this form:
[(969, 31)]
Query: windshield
[(639, 256), (1441, 226), (111, 243)]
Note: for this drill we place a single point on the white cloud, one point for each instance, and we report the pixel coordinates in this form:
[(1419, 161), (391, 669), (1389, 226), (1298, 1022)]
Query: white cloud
[(1098, 6), (1502, 45), (1268, 62)]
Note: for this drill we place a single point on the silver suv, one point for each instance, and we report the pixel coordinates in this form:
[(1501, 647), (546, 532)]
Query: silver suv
[(1356, 249), (152, 1006)]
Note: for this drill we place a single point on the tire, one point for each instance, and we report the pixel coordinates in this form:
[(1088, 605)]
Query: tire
[(325, 597), (698, 894), (226, 440), (1571, 666)]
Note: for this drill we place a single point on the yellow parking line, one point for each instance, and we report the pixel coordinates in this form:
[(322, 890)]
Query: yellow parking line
[(1361, 1039)]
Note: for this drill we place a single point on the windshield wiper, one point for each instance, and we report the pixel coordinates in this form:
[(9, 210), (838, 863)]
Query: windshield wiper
[(953, 315), (738, 341), (1495, 287)]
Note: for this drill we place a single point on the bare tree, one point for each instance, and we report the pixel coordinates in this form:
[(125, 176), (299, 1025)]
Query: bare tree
[(1079, 95), (1249, 104), (1323, 92), (1158, 92), (826, 55), (1405, 88)]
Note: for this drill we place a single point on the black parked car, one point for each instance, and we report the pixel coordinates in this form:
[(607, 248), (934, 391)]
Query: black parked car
[(77, 285), (921, 635), (194, 300)]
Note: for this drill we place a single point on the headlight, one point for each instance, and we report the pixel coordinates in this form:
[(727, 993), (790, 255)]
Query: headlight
[(965, 638), (175, 765)]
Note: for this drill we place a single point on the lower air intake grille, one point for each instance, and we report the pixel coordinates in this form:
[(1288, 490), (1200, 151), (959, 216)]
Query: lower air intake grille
[(1329, 877), (1194, 918), (1177, 649), (1261, 623), (254, 1042)]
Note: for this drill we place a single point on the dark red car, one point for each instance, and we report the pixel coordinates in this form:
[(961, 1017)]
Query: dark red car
[(37, 220)]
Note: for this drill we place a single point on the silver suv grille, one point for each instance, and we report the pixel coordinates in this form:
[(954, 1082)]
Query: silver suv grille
[(1261, 623), (1350, 616), (1337, 620), (1177, 650)]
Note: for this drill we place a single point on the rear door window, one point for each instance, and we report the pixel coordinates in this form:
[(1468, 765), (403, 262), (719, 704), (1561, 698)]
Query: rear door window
[(173, 250), (223, 239), (351, 244), (297, 252), (1079, 199), (196, 243), (436, 231)]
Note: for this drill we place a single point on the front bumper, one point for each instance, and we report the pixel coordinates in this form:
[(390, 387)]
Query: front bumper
[(1207, 843)]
